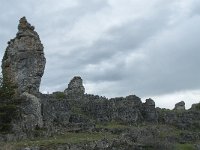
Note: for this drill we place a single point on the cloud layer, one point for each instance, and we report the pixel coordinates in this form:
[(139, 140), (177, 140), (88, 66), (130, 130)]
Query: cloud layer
[(122, 47)]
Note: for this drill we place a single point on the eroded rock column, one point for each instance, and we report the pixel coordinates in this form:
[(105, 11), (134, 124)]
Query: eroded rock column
[(75, 87), (24, 62)]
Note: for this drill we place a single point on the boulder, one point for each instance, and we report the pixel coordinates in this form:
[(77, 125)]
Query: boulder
[(24, 62)]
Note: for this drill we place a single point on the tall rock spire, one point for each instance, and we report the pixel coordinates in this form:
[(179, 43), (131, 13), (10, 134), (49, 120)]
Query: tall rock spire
[(24, 62), (75, 87)]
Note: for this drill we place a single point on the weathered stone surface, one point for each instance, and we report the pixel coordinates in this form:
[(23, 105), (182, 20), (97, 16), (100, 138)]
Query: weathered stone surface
[(41, 115), (126, 110), (187, 119), (24, 62), (195, 107), (180, 106), (30, 111), (149, 111), (75, 87), (55, 112)]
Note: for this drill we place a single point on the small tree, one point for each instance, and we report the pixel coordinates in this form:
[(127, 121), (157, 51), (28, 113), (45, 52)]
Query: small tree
[(8, 105), (6, 88)]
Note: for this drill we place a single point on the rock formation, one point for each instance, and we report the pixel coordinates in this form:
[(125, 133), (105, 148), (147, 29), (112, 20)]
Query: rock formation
[(43, 115), (149, 111), (75, 87), (180, 106), (24, 62), (31, 116), (22, 67)]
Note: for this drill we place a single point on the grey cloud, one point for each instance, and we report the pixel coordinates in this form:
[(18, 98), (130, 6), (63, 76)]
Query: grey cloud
[(170, 51), (171, 66)]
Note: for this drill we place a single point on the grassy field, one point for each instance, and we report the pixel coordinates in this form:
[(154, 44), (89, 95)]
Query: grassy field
[(67, 138)]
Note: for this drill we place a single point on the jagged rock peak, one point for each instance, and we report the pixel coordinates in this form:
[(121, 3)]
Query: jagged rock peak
[(24, 25), (75, 87), (150, 102), (180, 106), (24, 62), (26, 29)]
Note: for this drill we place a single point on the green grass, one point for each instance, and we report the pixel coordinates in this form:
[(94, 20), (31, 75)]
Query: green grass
[(112, 125), (67, 138), (184, 147), (60, 95)]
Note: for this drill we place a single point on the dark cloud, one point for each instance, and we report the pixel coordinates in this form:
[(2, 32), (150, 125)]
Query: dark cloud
[(118, 48)]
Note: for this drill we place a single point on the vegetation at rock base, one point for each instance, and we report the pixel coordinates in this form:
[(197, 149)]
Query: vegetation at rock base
[(60, 95), (66, 138), (184, 147), (147, 137), (8, 105), (6, 88)]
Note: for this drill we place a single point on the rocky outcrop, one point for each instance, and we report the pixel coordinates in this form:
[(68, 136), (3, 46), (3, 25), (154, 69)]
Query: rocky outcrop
[(129, 110), (30, 114), (195, 107), (180, 106), (22, 68), (187, 119), (55, 112), (75, 87), (149, 111), (24, 62)]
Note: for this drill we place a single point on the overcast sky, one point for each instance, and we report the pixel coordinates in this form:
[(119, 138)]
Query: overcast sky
[(118, 47)]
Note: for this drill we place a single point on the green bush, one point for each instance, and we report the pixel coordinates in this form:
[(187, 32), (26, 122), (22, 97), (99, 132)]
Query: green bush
[(7, 113), (8, 105), (60, 95), (6, 88)]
